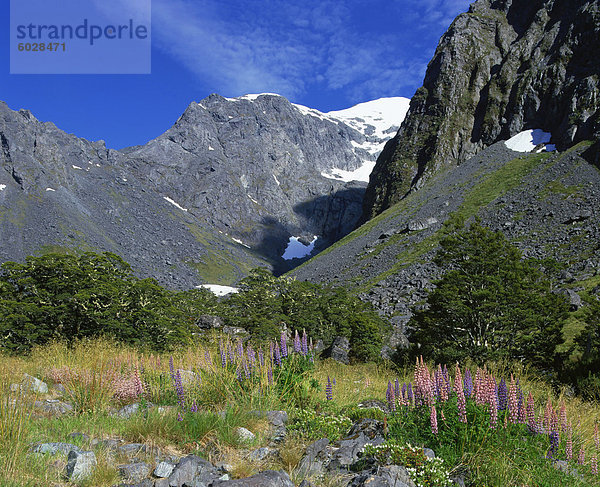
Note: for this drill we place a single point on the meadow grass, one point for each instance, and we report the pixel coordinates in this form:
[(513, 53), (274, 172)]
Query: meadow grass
[(218, 399)]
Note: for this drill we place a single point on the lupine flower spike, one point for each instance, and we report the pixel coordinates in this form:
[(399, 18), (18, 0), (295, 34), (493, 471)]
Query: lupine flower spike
[(434, 423), (390, 396), (297, 343), (569, 446), (581, 456), (329, 390), (284, 351), (460, 395), (594, 465)]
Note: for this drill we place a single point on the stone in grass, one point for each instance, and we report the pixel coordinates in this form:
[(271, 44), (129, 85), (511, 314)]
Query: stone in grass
[(390, 476), (315, 458), (134, 472), (30, 383), (133, 450), (244, 435), (261, 454), (129, 410), (54, 448), (190, 469), (54, 406), (268, 478), (163, 470), (80, 464)]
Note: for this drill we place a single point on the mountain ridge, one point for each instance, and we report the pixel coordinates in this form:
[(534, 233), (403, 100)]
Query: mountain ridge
[(502, 67)]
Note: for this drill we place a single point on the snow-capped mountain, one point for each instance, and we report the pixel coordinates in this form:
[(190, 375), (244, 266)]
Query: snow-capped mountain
[(378, 120), (228, 187)]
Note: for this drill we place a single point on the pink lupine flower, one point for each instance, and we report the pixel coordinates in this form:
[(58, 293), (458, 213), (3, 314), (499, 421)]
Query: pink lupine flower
[(581, 456), (493, 411), (563, 418), (434, 423), (530, 413), (569, 446), (548, 410), (594, 465), (512, 401)]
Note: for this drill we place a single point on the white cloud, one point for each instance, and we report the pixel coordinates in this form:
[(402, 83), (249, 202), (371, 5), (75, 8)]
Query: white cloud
[(241, 47)]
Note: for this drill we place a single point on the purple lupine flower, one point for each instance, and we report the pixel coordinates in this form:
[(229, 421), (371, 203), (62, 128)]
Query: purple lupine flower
[(223, 354), (403, 392), (179, 417), (397, 389), (261, 357), (502, 395), (284, 350), (304, 343), (554, 441), (194, 408), (238, 373), (240, 349), (276, 356), (270, 375), (246, 368), (333, 381), (251, 356), (208, 359), (297, 343), (409, 392), (594, 465), (179, 389), (390, 396), (230, 354), (329, 390), (468, 383), (171, 367)]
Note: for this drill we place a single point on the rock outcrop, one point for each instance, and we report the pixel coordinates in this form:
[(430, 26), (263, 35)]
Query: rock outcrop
[(503, 67)]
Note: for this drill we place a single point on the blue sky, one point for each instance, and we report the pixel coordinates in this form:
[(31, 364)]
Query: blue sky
[(326, 54)]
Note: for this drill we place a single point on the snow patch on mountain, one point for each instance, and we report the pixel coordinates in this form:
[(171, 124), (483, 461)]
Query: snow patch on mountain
[(297, 250), (174, 203), (218, 289), (528, 140)]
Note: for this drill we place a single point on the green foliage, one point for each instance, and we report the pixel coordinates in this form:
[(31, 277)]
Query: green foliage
[(312, 425), (59, 296), (587, 369), (490, 304), (265, 301), (423, 471)]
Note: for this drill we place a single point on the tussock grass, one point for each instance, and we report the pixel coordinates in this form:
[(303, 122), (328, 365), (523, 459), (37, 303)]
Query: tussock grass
[(225, 404)]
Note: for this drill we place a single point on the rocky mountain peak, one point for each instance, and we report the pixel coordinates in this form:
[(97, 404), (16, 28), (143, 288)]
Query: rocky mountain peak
[(501, 68)]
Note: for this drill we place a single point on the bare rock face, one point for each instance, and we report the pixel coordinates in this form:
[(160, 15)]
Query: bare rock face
[(219, 193), (503, 67)]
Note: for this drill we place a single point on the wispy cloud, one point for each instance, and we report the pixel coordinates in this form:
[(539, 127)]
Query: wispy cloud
[(237, 47)]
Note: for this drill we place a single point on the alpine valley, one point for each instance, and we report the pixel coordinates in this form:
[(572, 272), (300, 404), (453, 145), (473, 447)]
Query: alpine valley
[(506, 127)]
